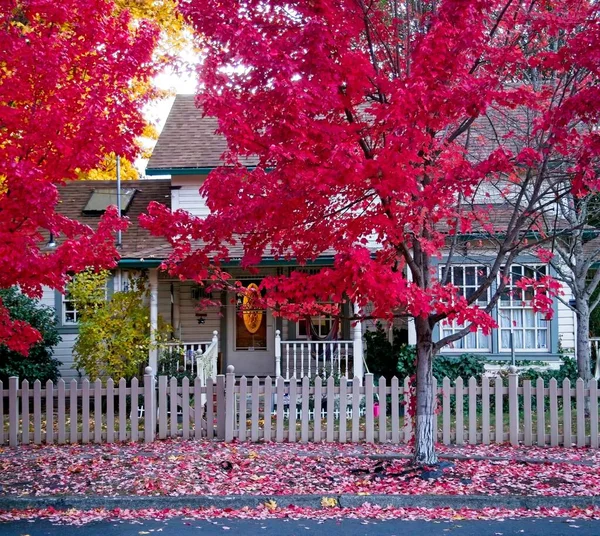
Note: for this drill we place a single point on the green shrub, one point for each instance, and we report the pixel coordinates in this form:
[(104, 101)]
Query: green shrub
[(568, 369), (389, 360), (39, 364)]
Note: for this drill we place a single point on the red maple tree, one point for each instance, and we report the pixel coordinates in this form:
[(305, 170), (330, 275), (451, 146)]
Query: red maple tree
[(68, 72), (395, 136)]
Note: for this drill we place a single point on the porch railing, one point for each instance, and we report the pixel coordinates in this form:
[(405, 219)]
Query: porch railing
[(198, 357), (313, 358)]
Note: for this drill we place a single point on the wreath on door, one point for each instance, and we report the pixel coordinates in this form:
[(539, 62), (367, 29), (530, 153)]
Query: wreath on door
[(250, 313)]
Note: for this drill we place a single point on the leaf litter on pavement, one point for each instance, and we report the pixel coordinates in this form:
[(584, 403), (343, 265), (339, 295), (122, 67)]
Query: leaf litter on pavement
[(277, 470), (177, 467)]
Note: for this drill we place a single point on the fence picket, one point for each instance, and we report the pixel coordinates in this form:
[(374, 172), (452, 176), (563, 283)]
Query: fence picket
[(370, 430), (162, 407), (472, 411), (49, 412), (293, 386), (37, 412), (221, 412), (199, 406), (98, 411), (330, 407), (527, 414), (445, 410), (382, 402), (255, 397), (407, 410), (356, 388), (123, 410), (13, 411), (567, 421), (210, 408), (499, 403), (242, 408), (110, 411), (185, 407), (268, 409), (460, 412), (594, 413), (553, 386), (173, 408), (342, 436), (305, 408), (485, 410), (513, 410), (540, 402), (150, 407), (24, 411), (61, 412), (85, 411), (395, 396), (580, 410), (134, 418), (317, 409), (280, 386)]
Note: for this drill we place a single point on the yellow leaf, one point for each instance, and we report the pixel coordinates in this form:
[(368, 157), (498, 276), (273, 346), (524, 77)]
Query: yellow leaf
[(329, 502), (271, 505)]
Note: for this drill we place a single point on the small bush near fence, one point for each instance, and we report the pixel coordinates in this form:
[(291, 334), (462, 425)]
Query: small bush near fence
[(484, 411)]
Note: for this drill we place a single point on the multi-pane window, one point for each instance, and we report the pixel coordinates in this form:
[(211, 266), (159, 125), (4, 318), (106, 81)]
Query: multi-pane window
[(515, 314), (70, 314), (69, 310), (467, 279), (322, 326)]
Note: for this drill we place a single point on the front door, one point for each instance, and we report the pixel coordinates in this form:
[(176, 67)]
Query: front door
[(251, 339)]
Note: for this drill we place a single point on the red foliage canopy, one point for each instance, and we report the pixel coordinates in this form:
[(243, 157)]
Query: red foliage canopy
[(382, 132), (66, 100)]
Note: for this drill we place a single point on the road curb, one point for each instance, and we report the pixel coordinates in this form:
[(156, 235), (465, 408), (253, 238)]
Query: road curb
[(306, 501)]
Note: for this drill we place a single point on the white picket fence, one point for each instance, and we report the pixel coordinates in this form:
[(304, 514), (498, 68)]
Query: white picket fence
[(257, 409)]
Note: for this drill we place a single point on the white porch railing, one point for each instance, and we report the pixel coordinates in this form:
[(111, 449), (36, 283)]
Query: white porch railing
[(199, 358), (318, 358)]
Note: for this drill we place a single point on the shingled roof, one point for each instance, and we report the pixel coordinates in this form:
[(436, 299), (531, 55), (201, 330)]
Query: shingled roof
[(188, 141), (136, 241)]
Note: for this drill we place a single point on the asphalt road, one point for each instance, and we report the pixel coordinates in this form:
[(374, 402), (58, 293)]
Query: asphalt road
[(276, 527)]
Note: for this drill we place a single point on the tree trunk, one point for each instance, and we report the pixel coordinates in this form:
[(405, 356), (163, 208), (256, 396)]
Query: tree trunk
[(584, 362), (424, 453)]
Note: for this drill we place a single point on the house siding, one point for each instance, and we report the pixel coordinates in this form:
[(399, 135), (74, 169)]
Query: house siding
[(185, 195)]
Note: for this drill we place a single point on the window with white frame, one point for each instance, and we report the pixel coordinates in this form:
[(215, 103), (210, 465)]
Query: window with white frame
[(321, 324), (530, 331), (69, 310), (467, 279), (70, 314)]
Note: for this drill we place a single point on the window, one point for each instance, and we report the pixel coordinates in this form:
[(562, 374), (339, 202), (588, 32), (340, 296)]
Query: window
[(102, 198), (515, 314), (70, 314), (467, 279), (69, 310), (322, 325)]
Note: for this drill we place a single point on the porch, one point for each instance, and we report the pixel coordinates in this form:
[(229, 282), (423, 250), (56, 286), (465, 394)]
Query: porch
[(206, 341)]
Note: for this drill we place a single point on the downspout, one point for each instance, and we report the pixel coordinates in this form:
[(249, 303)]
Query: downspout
[(119, 237)]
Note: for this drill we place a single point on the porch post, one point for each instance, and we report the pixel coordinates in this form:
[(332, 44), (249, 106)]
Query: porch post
[(153, 353), (215, 341), (357, 344), (277, 353)]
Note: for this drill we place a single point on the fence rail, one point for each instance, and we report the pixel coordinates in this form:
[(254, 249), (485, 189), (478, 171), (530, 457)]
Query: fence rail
[(305, 410)]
